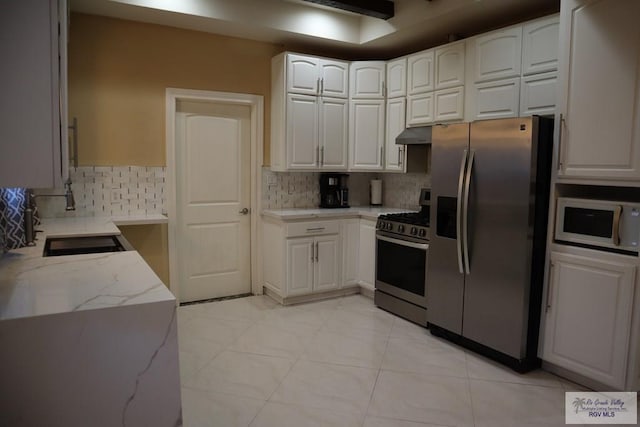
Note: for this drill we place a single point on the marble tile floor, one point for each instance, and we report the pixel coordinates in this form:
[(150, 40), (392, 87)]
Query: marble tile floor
[(344, 362)]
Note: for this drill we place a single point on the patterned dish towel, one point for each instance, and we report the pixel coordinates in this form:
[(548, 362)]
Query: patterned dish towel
[(12, 205)]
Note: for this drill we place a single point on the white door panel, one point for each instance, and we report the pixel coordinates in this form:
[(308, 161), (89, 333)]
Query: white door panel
[(334, 133), (213, 186), (302, 131), (327, 263)]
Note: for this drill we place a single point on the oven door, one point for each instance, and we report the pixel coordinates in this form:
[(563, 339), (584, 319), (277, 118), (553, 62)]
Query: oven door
[(401, 267)]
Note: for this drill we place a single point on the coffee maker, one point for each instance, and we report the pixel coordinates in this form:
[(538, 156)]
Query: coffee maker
[(333, 190)]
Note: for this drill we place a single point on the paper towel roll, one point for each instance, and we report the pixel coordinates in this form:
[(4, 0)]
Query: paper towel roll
[(376, 192)]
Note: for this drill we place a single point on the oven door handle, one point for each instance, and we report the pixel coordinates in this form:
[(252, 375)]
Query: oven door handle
[(423, 246)]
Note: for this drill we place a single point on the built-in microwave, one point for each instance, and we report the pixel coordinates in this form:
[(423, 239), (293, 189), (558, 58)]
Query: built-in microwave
[(604, 224)]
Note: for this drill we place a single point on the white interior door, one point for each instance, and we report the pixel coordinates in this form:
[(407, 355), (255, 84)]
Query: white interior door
[(213, 190)]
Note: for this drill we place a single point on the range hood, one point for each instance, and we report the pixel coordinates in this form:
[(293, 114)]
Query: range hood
[(420, 135)]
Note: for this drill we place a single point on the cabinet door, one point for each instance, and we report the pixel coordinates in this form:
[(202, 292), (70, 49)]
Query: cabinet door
[(300, 266), (33, 128), (450, 65), (420, 69), (351, 243), (303, 75), (420, 109), (397, 78), (589, 309), (367, 254), (302, 132), (599, 80), (498, 55), (497, 99), (394, 154), (334, 77), (367, 79), (449, 104), (328, 260), (540, 45), (538, 94), (334, 133), (366, 134)]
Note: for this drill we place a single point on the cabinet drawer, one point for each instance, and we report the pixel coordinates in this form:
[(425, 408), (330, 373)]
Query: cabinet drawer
[(312, 228)]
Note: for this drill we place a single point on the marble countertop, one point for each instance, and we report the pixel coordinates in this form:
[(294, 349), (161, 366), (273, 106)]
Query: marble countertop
[(32, 285), (369, 212)]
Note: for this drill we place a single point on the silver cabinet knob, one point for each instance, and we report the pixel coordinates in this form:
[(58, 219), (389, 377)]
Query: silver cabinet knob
[(244, 211)]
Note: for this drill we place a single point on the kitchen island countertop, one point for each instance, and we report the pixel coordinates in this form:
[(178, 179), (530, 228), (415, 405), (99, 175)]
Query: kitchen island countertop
[(33, 285)]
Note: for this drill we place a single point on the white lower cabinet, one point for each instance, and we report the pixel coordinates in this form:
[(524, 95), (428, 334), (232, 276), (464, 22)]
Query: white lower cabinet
[(589, 311), (305, 258), (367, 254)]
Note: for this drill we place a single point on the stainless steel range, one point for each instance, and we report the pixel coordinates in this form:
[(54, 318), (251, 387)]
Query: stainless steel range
[(402, 249)]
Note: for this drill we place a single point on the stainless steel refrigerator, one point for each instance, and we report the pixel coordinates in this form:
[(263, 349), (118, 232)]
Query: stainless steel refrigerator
[(489, 194)]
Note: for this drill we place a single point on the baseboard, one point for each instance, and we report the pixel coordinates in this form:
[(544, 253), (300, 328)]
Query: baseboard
[(299, 299)]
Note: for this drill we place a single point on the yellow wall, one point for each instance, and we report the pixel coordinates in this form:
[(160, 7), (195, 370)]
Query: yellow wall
[(151, 242), (118, 73)]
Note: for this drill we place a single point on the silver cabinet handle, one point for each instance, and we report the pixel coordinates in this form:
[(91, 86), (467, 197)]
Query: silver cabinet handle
[(384, 90), (312, 249), (560, 153), (400, 156), (465, 214), (322, 86), (550, 287), (382, 156), (244, 211), (317, 251), (463, 164), (317, 161), (617, 213), (318, 85), (314, 229), (74, 128), (321, 156)]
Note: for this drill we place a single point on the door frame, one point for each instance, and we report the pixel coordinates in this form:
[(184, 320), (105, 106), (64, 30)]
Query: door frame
[(256, 104)]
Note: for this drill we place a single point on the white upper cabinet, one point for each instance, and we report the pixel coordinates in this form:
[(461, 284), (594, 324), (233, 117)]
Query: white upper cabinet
[(33, 123), (302, 132), (498, 54), (420, 72), (367, 79), (538, 94), (497, 99), (334, 133), (397, 78), (449, 65), (448, 104), (599, 78), (394, 154), (334, 77), (366, 134), (540, 45), (309, 113), (419, 109), (310, 75)]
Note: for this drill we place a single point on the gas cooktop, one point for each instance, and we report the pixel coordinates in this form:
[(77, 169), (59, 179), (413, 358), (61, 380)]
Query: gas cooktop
[(408, 225)]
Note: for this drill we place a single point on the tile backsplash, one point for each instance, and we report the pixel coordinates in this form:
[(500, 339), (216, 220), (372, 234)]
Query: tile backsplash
[(285, 190), (109, 191)]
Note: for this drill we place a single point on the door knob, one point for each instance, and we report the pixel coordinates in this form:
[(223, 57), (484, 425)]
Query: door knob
[(244, 211)]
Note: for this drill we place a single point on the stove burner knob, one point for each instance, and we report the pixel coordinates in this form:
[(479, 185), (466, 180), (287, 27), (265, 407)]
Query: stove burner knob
[(401, 229), (389, 226), (414, 230), (423, 232)]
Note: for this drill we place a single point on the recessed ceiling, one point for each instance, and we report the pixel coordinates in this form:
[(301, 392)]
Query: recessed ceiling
[(304, 26)]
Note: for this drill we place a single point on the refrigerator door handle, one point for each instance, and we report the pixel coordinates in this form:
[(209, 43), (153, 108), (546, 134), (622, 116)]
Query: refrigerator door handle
[(463, 164), (465, 213)]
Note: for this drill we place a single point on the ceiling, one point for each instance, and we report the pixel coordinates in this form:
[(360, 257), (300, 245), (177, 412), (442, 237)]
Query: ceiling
[(302, 26)]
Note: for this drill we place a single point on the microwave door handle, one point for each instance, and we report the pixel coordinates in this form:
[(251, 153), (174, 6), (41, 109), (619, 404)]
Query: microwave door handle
[(463, 164), (617, 213), (465, 215)]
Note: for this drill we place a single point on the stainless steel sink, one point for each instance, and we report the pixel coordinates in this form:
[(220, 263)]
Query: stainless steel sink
[(57, 246)]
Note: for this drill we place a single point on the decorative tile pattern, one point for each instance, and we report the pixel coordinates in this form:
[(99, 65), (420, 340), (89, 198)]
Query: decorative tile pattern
[(286, 190), (109, 191)]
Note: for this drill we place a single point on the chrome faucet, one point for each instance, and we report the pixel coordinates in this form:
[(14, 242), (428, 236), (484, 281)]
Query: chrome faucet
[(29, 217)]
